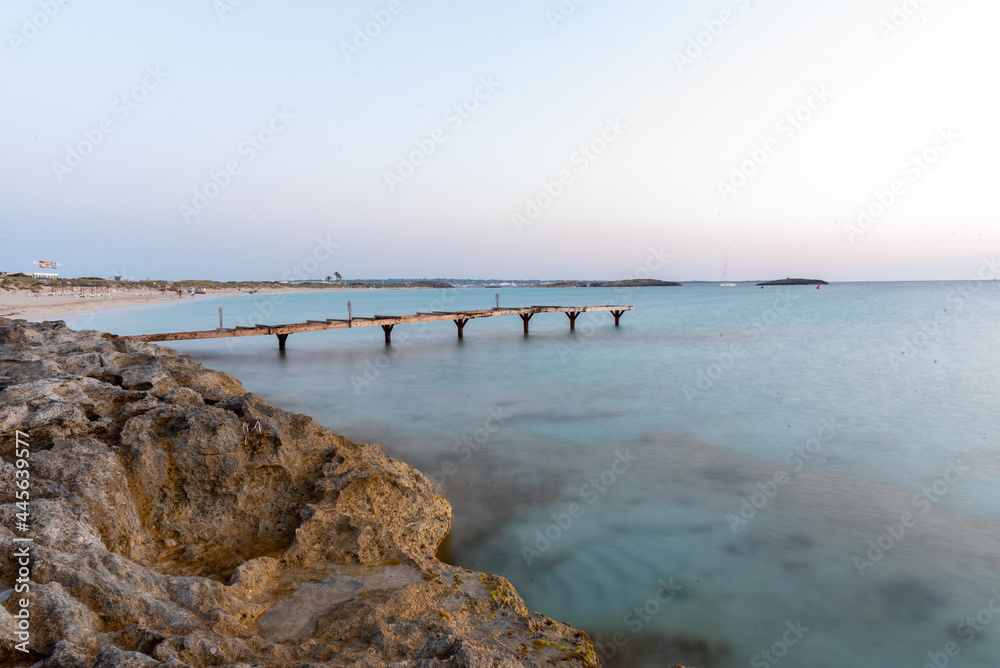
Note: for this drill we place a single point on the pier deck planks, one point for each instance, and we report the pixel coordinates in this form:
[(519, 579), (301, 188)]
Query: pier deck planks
[(386, 321)]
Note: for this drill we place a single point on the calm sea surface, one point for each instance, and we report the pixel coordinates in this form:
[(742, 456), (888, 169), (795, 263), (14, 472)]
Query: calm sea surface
[(733, 477)]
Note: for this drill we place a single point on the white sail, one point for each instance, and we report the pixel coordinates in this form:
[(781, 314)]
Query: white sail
[(726, 283)]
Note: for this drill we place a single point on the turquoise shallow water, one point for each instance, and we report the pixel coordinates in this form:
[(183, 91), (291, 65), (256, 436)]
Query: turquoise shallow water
[(732, 477)]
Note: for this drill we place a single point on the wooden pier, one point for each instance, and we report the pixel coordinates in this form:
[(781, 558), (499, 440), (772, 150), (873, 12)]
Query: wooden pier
[(386, 322)]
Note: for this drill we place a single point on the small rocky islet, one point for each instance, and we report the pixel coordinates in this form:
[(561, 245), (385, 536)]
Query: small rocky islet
[(795, 281)]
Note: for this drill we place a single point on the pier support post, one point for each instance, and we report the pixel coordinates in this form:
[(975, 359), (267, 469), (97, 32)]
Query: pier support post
[(618, 315), (388, 333), (281, 340), (461, 325), (572, 315), (526, 317)]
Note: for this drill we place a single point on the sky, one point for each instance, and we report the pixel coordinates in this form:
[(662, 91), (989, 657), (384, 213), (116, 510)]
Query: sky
[(589, 139)]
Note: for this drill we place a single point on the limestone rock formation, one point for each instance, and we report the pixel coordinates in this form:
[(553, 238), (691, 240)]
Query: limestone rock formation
[(169, 530)]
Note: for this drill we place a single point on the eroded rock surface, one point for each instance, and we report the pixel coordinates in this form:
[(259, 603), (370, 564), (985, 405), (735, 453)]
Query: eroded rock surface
[(169, 531)]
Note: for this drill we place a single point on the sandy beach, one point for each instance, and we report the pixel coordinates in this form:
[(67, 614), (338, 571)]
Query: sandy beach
[(57, 306)]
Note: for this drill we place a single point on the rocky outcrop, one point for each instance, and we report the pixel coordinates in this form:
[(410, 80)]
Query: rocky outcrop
[(180, 521)]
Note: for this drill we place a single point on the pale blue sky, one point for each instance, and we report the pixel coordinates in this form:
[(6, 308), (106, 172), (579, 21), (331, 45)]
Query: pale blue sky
[(673, 132)]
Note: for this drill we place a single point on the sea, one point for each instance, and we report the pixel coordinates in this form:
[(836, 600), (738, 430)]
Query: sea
[(732, 477)]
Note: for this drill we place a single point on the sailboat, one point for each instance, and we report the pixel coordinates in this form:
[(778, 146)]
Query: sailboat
[(726, 283)]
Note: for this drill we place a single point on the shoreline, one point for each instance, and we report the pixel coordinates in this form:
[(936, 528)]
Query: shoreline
[(25, 305), (39, 307)]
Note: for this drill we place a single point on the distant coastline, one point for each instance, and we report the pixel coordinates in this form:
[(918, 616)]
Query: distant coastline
[(633, 283), (24, 296)]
